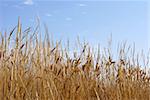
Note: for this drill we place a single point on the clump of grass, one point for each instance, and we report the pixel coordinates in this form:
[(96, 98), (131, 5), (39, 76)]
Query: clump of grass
[(32, 69)]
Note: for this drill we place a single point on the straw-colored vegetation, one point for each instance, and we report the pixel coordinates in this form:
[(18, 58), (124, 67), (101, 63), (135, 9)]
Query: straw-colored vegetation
[(36, 69)]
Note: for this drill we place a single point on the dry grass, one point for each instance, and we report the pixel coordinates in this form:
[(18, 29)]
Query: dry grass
[(32, 69)]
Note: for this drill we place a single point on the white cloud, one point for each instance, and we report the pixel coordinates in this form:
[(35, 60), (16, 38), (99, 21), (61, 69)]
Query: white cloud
[(82, 5), (29, 2), (68, 19), (48, 15)]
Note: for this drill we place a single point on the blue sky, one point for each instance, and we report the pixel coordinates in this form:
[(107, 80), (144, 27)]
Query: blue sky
[(92, 21)]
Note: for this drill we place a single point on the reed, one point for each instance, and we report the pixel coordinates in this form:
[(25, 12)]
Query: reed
[(32, 69)]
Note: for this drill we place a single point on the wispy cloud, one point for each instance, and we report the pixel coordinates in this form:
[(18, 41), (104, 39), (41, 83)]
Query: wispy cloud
[(17, 6), (5, 5), (31, 20), (48, 15), (82, 5), (84, 13), (28, 2), (68, 18)]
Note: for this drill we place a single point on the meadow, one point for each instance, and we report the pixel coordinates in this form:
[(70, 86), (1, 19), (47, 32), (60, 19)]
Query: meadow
[(41, 69)]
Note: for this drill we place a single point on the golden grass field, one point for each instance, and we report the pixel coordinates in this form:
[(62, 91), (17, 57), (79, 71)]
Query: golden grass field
[(36, 69)]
